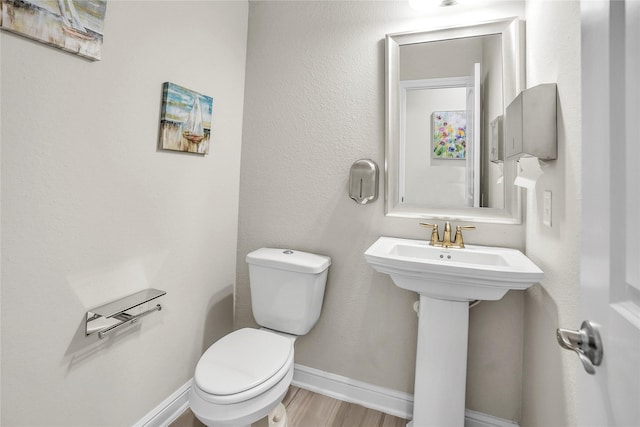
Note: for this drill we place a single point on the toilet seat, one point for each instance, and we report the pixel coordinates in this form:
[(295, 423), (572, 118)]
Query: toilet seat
[(243, 365), (241, 413)]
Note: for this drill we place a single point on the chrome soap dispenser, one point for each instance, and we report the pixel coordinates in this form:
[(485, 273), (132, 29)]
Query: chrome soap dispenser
[(363, 181)]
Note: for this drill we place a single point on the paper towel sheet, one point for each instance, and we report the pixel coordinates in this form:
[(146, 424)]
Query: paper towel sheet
[(529, 171)]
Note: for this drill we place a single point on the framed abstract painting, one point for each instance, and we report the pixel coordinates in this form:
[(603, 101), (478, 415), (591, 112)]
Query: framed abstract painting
[(449, 134)]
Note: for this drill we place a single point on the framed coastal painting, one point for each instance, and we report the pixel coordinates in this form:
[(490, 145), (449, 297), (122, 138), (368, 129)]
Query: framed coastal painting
[(185, 120), (449, 134), (73, 25)]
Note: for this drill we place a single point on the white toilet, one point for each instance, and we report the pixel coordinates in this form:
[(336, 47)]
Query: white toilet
[(244, 376)]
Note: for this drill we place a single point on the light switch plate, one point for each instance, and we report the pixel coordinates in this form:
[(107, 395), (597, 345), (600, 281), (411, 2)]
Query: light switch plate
[(546, 208)]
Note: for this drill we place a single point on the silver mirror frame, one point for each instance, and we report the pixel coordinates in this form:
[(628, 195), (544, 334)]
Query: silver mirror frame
[(513, 76)]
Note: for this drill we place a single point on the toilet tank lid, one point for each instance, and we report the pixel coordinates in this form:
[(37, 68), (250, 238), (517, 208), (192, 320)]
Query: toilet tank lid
[(289, 259)]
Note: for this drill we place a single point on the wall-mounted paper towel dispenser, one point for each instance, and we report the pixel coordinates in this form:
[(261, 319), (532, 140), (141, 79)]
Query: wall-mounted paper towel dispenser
[(531, 123), (363, 181)]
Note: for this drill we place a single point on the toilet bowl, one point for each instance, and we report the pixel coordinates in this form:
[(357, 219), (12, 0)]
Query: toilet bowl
[(245, 375), (242, 378)]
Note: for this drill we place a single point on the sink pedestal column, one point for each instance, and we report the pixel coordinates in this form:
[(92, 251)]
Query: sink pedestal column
[(441, 363)]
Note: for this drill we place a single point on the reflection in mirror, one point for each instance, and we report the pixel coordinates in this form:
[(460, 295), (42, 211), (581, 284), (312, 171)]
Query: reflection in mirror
[(446, 94), (430, 108)]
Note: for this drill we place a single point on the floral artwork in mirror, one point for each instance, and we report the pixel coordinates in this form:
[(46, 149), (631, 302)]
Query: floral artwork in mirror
[(72, 25), (185, 121), (449, 130)]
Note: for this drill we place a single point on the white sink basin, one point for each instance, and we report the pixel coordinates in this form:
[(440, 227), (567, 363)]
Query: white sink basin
[(446, 280), (472, 273)]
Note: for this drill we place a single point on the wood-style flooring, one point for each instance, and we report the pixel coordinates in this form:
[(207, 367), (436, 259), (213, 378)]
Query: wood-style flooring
[(308, 409)]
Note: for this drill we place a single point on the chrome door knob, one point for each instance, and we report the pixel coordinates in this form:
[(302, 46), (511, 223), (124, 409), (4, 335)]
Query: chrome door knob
[(586, 342)]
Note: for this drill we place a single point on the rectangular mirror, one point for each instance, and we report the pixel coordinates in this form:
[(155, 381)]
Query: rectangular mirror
[(446, 91)]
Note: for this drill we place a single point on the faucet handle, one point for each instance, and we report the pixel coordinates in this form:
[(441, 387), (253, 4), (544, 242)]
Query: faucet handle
[(458, 241), (435, 238)]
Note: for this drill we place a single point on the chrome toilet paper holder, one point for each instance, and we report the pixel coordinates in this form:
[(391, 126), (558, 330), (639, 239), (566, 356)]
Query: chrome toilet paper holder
[(108, 318)]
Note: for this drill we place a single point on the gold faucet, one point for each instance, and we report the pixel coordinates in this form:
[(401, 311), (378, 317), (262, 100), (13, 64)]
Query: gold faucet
[(446, 242)]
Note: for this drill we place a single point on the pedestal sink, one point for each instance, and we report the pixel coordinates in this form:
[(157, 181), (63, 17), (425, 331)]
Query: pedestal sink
[(447, 279)]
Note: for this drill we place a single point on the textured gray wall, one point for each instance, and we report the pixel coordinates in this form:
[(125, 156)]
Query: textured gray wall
[(91, 212), (314, 104)]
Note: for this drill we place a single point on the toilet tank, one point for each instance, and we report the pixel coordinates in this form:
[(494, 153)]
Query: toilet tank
[(287, 288)]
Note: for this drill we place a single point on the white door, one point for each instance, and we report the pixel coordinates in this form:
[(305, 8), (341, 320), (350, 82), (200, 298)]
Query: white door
[(610, 230), (472, 173)]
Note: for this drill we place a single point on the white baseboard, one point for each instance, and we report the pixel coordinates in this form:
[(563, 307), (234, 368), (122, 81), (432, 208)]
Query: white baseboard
[(168, 410), (478, 419), (381, 399)]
